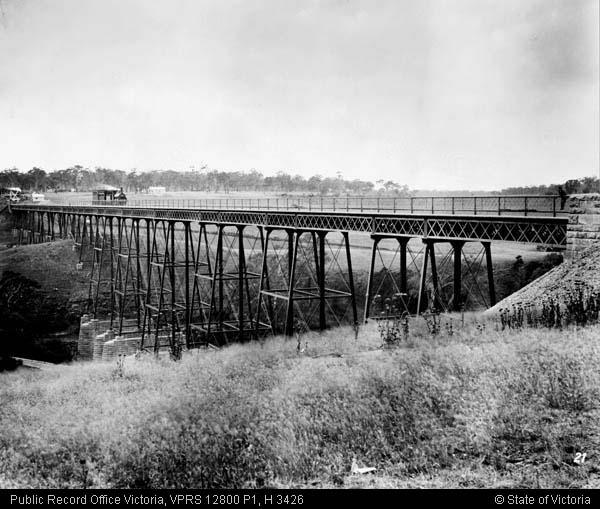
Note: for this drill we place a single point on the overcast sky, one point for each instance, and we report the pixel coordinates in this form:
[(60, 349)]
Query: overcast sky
[(447, 94)]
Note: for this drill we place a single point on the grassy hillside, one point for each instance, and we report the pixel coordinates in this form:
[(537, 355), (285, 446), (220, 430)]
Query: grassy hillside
[(474, 408)]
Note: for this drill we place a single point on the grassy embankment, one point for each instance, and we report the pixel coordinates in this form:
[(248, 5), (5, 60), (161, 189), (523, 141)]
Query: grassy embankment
[(478, 408)]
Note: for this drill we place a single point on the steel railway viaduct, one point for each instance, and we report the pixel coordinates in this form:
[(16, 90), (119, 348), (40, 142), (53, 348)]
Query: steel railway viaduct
[(175, 274)]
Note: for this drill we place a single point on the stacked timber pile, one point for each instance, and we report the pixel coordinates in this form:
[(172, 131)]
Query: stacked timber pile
[(583, 269)]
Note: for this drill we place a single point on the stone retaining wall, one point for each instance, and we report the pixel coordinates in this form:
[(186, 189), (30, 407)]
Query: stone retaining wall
[(584, 221)]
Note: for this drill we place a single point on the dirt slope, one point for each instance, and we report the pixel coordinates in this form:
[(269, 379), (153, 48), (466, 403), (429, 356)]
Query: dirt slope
[(583, 268)]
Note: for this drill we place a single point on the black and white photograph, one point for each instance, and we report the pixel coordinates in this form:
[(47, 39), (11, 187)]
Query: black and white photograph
[(271, 252)]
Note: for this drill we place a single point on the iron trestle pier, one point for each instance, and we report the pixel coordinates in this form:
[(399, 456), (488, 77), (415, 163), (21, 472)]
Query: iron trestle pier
[(184, 277)]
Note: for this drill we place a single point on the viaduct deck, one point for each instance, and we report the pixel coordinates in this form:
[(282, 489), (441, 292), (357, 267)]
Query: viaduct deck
[(536, 229)]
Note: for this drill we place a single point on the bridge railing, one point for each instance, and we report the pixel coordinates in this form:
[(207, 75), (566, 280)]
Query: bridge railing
[(546, 205)]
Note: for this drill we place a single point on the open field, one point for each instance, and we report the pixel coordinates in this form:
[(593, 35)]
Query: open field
[(479, 408)]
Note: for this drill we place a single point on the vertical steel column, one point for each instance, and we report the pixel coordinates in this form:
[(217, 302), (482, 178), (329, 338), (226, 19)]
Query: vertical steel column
[(31, 228), (188, 239), (289, 313), (196, 255), (24, 219), (171, 230), (216, 274), (87, 234), (490, 272), (28, 235), (54, 226), (316, 257), (39, 227), (161, 288), (150, 250), (113, 299), (221, 272), (118, 279), (290, 250), (118, 273), (241, 263), (350, 279), (27, 222), (19, 227), (248, 301), (48, 230), (403, 241), (75, 227), (96, 269), (423, 277), (434, 277), (321, 280), (457, 246), (138, 272), (370, 280), (96, 235), (264, 279)]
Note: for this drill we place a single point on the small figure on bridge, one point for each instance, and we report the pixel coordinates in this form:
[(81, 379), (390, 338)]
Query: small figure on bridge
[(563, 197)]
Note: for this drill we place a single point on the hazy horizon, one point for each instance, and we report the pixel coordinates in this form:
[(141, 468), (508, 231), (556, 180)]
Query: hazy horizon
[(462, 95)]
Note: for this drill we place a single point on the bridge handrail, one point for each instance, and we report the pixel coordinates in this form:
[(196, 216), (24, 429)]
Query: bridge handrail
[(541, 230), (473, 205)]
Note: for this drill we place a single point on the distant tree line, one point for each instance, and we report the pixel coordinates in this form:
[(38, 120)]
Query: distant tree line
[(573, 186), (85, 179), (208, 180)]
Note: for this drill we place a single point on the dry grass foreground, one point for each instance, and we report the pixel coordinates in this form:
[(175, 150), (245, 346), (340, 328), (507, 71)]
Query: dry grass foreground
[(478, 408)]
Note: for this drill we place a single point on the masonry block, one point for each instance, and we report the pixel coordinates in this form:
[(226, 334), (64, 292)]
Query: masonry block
[(583, 229)]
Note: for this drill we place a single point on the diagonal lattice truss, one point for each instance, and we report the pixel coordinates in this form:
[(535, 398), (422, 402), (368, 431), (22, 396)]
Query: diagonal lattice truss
[(129, 284), (550, 231), (306, 280), (395, 268), (225, 260), (96, 250), (542, 233), (166, 301), (409, 275)]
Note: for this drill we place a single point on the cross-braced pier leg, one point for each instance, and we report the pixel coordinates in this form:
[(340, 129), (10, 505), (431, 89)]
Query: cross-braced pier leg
[(224, 293), (304, 268)]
